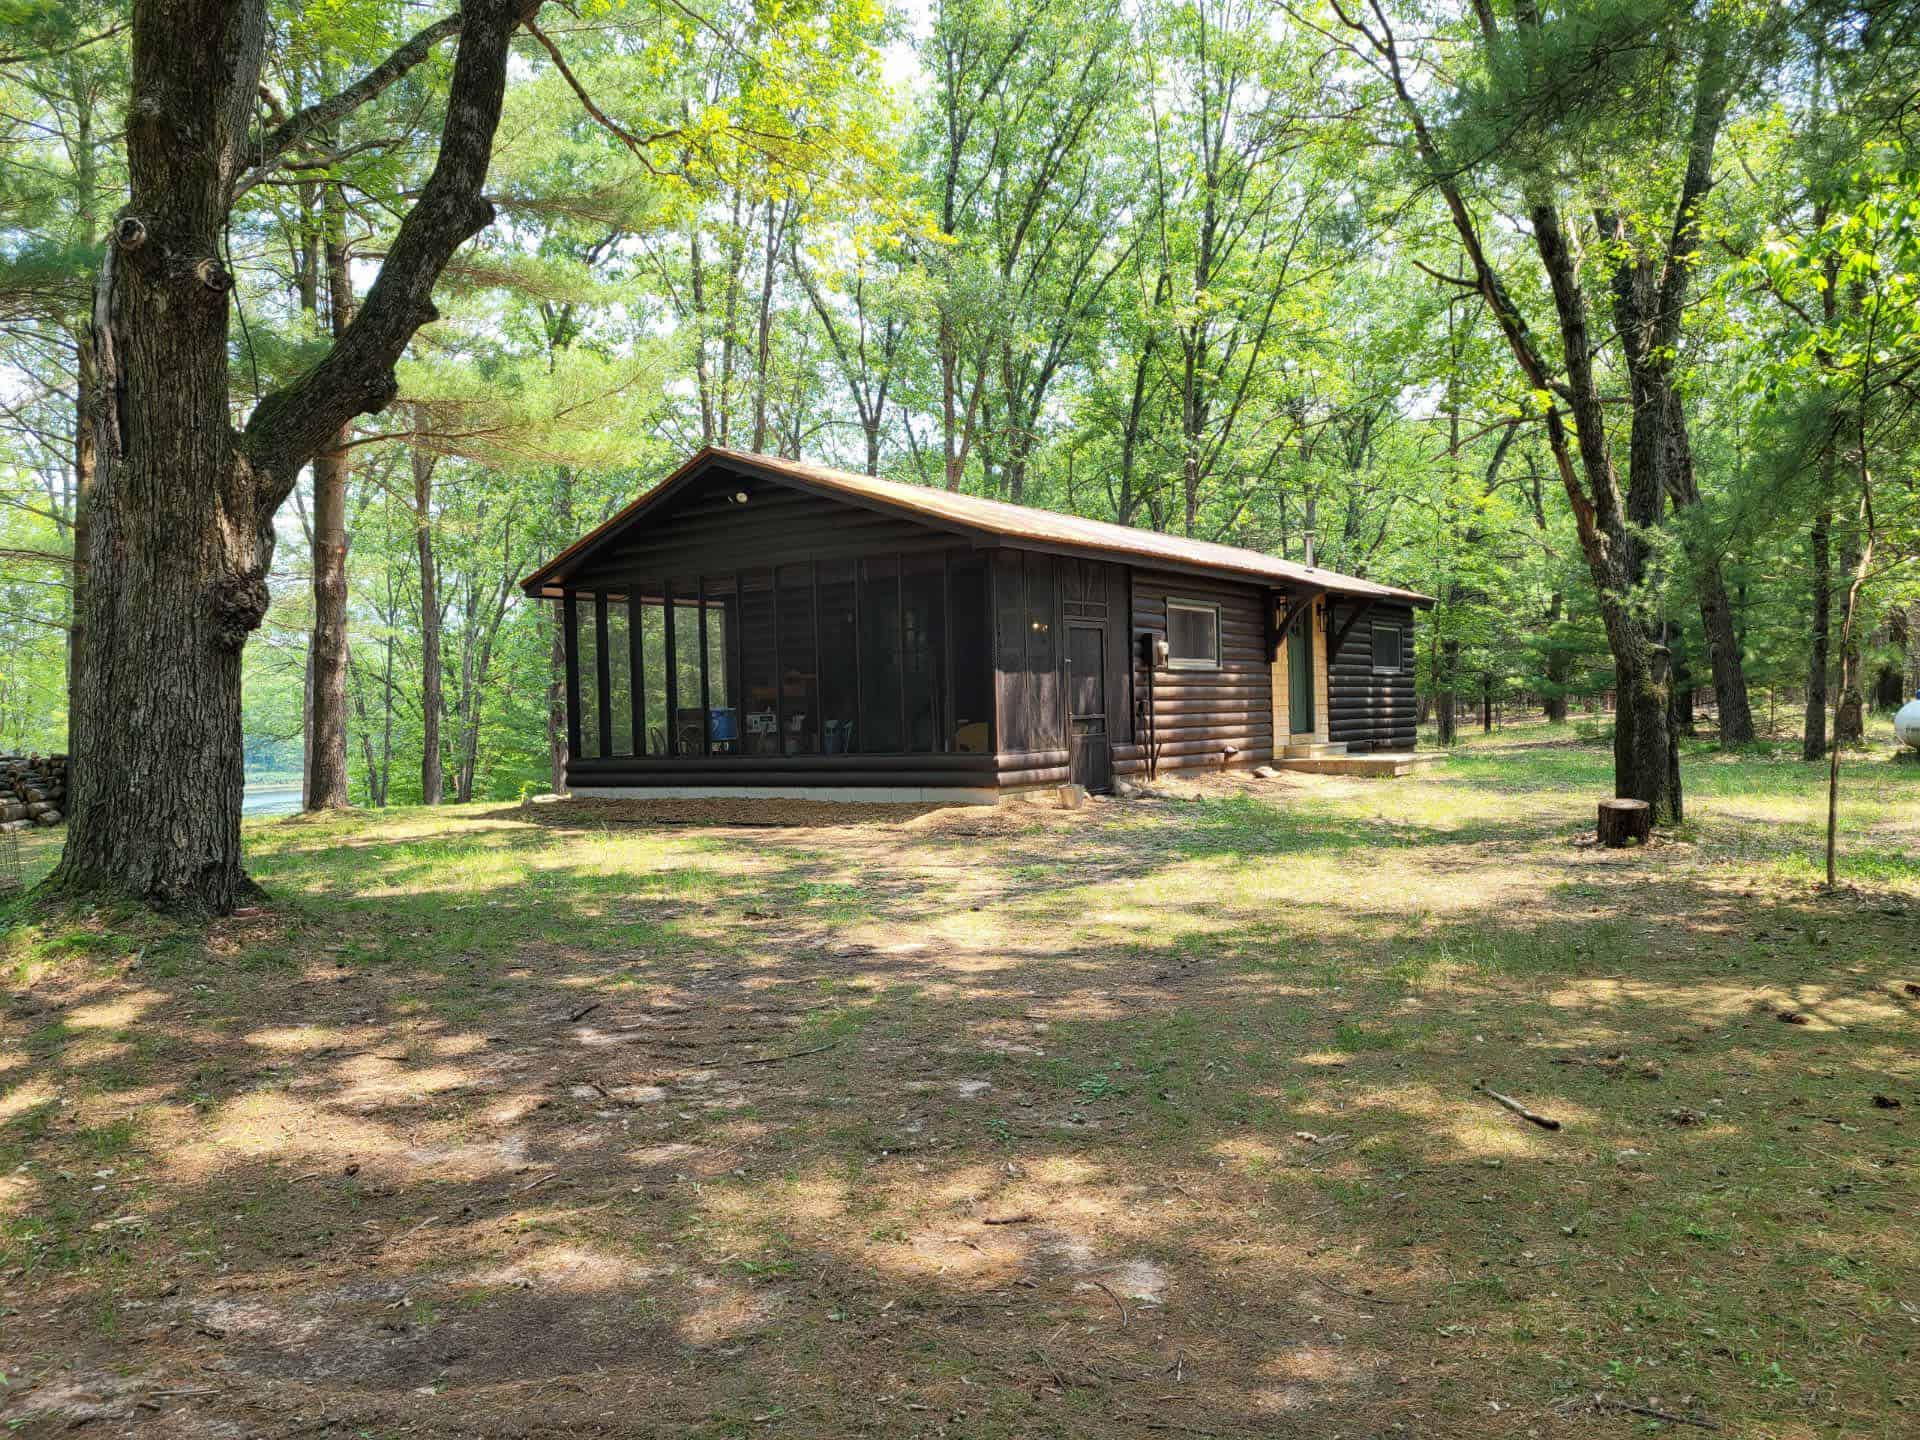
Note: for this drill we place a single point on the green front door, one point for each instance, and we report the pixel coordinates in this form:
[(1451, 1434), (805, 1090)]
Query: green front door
[(1300, 674)]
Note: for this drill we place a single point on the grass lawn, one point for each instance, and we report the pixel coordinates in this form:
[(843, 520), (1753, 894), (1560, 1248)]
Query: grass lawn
[(1154, 1118)]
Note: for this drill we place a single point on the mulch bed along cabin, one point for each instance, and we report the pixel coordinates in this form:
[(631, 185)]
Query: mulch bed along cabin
[(763, 626)]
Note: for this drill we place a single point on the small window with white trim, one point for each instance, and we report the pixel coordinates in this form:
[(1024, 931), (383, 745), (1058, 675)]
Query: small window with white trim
[(1193, 635), (1386, 649)]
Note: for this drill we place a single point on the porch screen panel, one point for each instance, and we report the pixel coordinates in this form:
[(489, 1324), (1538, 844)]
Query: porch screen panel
[(587, 641), (972, 622), (723, 715), (839, 660), (653, 667), (923, 625), (689, 720), (760, 694), (619, 677), (880, 656), (799, 662)]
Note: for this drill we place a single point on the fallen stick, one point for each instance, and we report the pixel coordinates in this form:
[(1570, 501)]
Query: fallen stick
[(1333, 1289), (1021, 1219), (790, 1055), (1628, 1407), (1516, 1107), (585, 1010), (1124, 1316)]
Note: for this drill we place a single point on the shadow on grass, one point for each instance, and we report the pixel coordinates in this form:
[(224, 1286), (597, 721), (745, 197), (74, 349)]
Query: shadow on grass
[(1165, 1121)]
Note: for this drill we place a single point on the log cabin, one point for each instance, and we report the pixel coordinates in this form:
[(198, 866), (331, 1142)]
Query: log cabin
[(765, 626)]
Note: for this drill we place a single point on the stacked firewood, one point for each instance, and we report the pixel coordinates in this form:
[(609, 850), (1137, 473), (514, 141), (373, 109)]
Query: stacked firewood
[(33, 790)]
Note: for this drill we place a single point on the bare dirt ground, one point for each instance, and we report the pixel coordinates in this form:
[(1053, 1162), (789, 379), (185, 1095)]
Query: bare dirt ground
[(1148, 1118)]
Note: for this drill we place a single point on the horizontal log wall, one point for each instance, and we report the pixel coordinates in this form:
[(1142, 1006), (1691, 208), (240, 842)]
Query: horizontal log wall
[(1202, 717), (1368, 710)]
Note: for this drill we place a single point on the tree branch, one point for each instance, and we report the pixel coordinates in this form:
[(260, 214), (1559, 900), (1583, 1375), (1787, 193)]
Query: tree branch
[(292, 131), (356, 377), (636, 143), (28, 57)]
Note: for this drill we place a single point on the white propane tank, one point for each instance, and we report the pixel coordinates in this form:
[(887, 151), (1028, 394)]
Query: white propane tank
[(1906, 724)]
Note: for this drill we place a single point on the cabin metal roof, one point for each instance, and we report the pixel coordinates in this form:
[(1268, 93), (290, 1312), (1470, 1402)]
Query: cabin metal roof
[(972, 515)]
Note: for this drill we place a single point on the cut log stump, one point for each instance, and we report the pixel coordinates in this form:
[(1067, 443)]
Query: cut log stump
[(1625, 822)]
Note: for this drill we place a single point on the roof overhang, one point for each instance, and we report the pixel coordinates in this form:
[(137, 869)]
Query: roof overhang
[(984, 523)]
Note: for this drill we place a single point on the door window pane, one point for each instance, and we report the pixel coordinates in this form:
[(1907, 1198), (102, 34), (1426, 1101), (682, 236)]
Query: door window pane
[(880, 656), (1086, 673)]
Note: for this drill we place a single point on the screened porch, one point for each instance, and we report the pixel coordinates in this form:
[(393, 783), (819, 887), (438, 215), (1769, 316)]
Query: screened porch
[(836, 657)]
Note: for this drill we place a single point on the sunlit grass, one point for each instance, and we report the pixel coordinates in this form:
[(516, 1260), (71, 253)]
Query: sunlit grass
[(1223, 1054)]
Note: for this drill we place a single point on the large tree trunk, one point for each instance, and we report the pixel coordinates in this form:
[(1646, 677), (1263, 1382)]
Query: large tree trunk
[(327, 720), (182, 512), (1646, 761), (432, 702), (1649, 305), (177, 548)]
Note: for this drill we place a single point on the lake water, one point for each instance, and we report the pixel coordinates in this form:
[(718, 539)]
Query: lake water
[(270, 800)]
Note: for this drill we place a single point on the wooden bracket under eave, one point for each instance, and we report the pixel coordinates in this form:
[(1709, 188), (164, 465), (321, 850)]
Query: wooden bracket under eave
[(1340, 637), (1296, 607)]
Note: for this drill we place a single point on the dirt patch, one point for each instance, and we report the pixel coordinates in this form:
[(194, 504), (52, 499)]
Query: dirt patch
[(1151, 1117)]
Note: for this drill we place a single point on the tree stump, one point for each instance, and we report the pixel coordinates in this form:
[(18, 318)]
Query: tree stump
[(1625, 822)]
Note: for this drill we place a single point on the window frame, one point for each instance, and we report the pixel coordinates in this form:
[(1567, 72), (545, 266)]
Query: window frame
[(1206, 607), (1399, 649)]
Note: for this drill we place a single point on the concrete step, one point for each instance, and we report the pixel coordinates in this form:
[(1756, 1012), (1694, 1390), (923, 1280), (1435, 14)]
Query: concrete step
[(1313, 750), (1381, 763)]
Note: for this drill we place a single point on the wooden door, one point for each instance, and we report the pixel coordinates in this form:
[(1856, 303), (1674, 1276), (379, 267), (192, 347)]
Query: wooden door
[(1089, 744), (1300, 674)]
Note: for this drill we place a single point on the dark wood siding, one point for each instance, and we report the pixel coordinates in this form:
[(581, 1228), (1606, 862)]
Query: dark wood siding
[(1370, 711), (706, 532), (1019, 625), (1203, 717), (1033, 594)]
